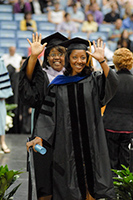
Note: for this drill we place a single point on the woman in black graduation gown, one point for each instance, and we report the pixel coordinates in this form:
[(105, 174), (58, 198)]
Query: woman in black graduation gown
[(73, 126), (33, 83)]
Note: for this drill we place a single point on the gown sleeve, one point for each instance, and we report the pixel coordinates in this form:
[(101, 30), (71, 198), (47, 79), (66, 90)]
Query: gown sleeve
[(107, 86), (46, 122), (32, 92)]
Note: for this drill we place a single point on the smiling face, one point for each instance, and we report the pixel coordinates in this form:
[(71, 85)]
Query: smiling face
[(56, 59), (78, 59)]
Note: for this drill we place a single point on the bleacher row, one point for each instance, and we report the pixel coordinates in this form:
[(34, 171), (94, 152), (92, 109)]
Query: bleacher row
[(11, 35)]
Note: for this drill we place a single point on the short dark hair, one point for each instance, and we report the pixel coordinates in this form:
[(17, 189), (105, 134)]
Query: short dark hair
[(66, 14)]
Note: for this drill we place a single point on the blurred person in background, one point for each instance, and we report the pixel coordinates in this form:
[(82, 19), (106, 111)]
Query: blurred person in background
[(105, 6), (22, 118), (128, 23), (77, 16), (67, 26), (97, 14), (56, 16), (5, 92), (28, 24), (89, 26), (21, 7), (115, 34), (113, 15), (36, 7), (46, 5), (127, 10), (12, 58), (124, 40)]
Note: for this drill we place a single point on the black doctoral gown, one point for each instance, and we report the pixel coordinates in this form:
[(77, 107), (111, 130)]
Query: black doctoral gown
[(32, 93), (70, 121)]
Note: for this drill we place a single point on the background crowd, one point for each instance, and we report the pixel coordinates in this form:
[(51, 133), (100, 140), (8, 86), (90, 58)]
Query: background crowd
[(112, 21)]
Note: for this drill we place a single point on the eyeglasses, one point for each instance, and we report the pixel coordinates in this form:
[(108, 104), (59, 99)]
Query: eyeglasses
[(54, 54)]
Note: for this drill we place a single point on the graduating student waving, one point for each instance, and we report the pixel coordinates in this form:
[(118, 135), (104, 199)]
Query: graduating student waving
[(70, 122)]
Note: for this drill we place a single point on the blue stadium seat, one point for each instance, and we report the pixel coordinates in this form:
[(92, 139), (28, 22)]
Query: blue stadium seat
[(45, 33), (18, 16), (63, 4), (7, 43), (106, 28), (22, 43), (40, 18), (2, 51), (24, 34), (79, 34), (69, 9), (7, 34), (22, 51), (11, 25), (96, 35), (6, 8), (46, 26), (112, 45), (5, 16)]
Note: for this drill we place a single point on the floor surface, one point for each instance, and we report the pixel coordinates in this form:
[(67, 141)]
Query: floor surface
[(17, 160)]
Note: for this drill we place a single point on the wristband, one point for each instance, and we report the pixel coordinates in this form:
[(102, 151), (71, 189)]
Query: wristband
[(102, 61), (40, 138)]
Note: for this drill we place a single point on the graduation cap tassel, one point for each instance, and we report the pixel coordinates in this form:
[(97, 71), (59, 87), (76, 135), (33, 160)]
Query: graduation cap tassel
[(90, 57)]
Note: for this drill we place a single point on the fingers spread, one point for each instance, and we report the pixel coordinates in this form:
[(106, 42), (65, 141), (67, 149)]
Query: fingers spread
[(36, 37), (44, 45), (94, 44), (40, 37), (89, 53), (29, 41), (33, 37), (98, 43)]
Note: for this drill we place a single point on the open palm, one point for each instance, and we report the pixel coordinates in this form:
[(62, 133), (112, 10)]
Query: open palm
[(98, 50), (36, 46)]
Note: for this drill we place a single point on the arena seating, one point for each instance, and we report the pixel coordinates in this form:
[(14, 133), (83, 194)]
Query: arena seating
[(11, 35)]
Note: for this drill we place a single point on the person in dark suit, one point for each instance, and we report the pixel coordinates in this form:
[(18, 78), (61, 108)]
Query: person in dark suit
[(118, 116)]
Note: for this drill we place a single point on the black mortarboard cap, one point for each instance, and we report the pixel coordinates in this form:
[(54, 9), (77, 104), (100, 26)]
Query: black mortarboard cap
[(54, 39), (24, 57), (76, 43)]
